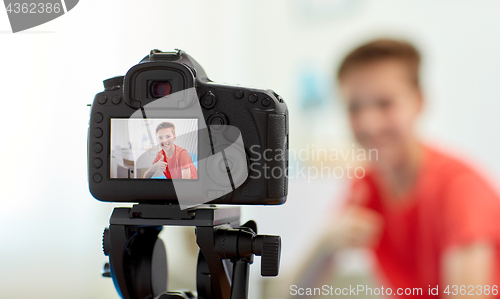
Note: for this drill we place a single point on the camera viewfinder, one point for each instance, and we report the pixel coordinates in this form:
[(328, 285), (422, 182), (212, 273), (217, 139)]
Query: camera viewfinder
[(160, 89)]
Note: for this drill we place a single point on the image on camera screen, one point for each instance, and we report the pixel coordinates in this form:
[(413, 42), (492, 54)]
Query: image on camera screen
[(154, 148)]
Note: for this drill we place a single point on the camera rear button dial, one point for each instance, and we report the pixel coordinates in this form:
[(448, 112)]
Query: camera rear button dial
[(266, 102), (209, 100), (98, 132), (102, 99), (116, 99), (97, 178), (98, 117), (234, 160), (253, 98), (217, 121), (97, 163), (239, 94), (97, 148)]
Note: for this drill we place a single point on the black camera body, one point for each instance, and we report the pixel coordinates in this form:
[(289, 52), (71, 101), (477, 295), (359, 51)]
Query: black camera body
[(173, 86)]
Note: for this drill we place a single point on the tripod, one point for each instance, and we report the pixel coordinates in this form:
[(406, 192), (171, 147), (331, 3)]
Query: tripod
[(137, 258)]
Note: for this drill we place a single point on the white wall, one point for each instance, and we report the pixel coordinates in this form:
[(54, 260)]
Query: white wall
[(134, 133), (51, 236)]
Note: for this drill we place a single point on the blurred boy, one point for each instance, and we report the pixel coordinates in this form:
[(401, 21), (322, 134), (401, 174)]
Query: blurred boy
[(430, 219)]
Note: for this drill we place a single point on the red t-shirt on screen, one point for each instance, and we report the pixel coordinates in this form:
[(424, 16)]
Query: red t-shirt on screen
[(179, 161), (450, 204)]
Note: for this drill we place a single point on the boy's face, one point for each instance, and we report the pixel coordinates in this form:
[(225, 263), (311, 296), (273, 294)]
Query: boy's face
[(383, 106), (166, 138)]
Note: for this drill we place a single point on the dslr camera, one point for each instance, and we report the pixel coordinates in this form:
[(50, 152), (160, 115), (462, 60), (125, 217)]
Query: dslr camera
[(165, 133)]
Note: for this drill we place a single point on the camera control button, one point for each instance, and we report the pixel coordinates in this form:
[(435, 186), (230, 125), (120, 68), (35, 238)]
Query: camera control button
[(98, 117), (217, 121), (97, 178), (208, 101), (97, 163), (239, 94), (98, 132), (102, 99), (253, 98), (97, 147), (116, 99), (266, 102)]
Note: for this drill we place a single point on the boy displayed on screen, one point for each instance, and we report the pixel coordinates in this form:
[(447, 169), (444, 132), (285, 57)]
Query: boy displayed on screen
[(170, 152), (173, 160)]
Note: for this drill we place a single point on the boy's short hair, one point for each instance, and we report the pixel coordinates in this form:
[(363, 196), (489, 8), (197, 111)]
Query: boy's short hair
[(165, 125), (382, 49)]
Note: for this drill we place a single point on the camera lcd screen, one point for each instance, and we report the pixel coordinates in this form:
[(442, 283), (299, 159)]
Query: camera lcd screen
[(154, 148)]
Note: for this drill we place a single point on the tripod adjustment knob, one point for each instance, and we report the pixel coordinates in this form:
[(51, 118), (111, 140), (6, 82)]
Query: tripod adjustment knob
[(269, 248), (106, 242)]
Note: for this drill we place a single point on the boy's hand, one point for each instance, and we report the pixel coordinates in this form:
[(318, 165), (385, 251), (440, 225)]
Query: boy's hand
[(359, 227), (161, 165)]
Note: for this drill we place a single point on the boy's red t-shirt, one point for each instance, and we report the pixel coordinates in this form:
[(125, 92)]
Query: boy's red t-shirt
[(180, 160), (449, 205)]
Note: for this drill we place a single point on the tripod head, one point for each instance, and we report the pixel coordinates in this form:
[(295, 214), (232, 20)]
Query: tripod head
[(137, 257)]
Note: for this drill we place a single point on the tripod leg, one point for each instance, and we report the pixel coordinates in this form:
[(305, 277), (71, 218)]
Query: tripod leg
[(219, 281), (239, 285)]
